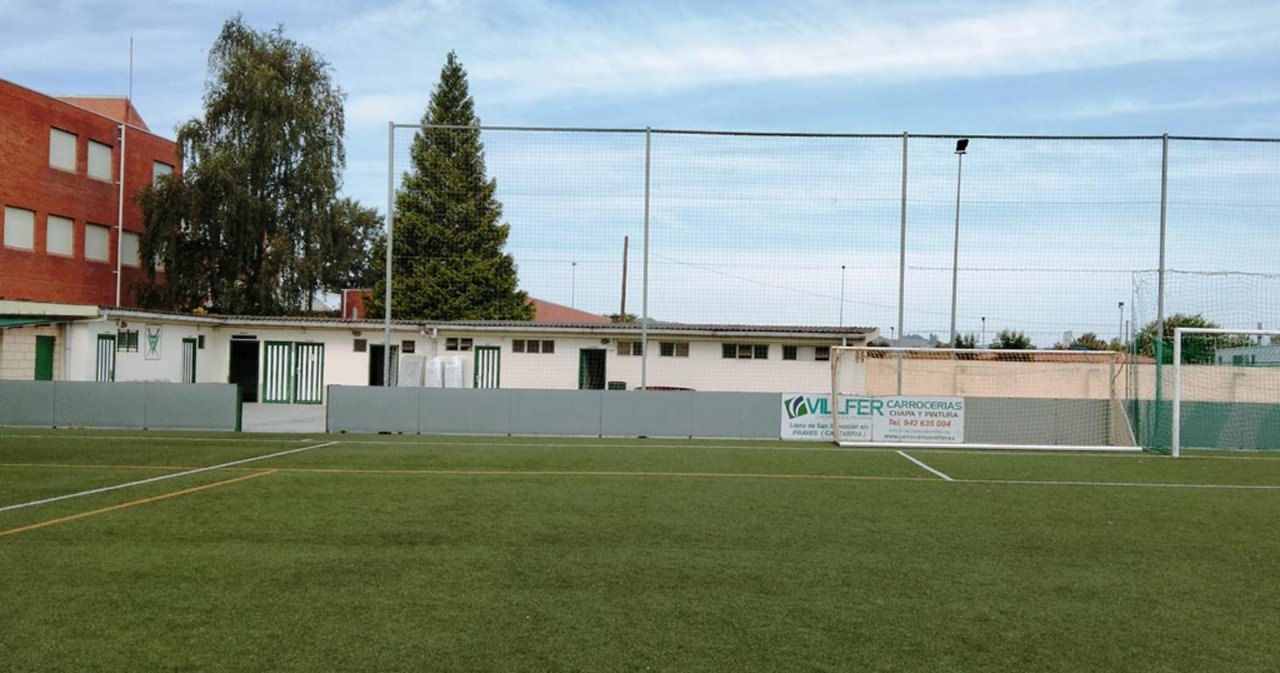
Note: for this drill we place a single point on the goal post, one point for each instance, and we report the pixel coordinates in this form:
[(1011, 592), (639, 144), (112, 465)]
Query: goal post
[(1226, 389), (980, 398)]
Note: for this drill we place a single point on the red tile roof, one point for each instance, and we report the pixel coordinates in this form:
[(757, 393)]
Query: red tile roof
[(545, 311)]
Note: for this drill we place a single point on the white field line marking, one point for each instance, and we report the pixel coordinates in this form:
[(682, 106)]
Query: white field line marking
[(163, 438), (162, 477), (923, 465), (1121, 484)]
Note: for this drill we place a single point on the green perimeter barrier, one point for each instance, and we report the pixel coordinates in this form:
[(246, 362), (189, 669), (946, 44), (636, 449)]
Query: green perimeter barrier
[(589, 413), (173, 406)]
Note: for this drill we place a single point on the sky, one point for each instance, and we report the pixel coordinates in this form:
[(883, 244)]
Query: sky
[(1134, 67)]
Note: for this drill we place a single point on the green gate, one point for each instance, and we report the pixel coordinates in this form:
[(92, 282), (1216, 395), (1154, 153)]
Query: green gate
[(308, 373), (488, 364), (293, 373)]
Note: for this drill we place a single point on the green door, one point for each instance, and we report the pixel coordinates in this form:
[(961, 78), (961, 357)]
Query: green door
[(188, 360), (44, 358), (105, 368), (488, 361), (277, 384), (308, 373)]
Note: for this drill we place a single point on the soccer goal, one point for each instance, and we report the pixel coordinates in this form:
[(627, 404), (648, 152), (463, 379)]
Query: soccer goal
[(980, 398), (1226, 389)]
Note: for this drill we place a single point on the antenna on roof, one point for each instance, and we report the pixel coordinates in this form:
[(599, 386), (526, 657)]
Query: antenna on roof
[(128, 99)]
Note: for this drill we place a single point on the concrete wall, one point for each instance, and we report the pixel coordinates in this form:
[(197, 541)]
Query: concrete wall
[(119, 405)]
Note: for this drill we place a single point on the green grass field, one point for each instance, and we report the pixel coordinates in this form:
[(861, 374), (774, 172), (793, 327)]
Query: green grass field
[(507, 554)]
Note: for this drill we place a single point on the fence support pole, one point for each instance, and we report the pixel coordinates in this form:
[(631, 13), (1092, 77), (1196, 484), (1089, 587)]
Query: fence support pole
[(902, 257), (644, 322)]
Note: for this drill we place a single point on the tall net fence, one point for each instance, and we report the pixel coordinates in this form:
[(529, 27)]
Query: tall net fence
[(711, 245)]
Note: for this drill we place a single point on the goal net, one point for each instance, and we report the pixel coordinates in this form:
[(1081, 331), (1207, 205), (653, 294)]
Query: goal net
[(1226, 389), (979, 398)]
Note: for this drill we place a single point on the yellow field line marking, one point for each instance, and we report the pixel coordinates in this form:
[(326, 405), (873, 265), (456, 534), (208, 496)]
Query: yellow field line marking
[(596, 473), (133, 503)]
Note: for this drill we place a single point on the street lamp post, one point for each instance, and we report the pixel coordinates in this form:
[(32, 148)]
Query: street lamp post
[(1120, 337), (961, 145), (984, 333), (842, 295), (573, 285)]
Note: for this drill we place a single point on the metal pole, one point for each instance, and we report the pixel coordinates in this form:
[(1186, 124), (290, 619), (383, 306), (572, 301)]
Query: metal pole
[(573, 285), (842, 295), (120, 214), (391, 210), (1164, 209), (902, 254), (955, 249), (984, 333), (644, 322), (1175, 440)]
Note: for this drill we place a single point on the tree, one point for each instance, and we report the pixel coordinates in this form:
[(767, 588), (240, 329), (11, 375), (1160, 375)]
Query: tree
[(969, 340), (355, 238), (1089, 341), (448, 260), (1196, 348), (249, 225), (1011, 340)]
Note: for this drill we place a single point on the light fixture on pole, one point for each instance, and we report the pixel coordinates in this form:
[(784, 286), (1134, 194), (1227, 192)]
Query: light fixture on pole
[(961, 145)]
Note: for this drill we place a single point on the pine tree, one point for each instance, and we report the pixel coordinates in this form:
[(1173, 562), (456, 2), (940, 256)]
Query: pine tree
[(448, 260)]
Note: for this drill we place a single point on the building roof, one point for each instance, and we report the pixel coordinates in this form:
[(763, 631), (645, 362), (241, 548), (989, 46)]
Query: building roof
[(113, 107), (546, 311), (507, 326)]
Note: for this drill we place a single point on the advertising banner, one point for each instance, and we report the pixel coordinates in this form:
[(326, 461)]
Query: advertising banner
[(896, 419)]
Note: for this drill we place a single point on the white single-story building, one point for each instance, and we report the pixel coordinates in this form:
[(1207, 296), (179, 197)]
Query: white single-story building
[(291, 360)]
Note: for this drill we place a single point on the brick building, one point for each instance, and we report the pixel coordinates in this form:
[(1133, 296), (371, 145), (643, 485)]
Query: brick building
[(60, 239), (64, 231)]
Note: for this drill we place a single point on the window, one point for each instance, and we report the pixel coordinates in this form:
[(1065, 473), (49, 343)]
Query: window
[(630, 348), (360, 346), (822, 353), (408, 346), (789, 352), (533, 346), (129, 249), (60, 236), (745, 351), (99, 161), (677, 349), (200, 341), (97, 242), (160, 169), (457, 344), (127, 341), (19, 228), (62, 150)]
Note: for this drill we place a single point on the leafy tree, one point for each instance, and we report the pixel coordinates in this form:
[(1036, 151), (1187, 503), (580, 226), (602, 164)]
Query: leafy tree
[(1011, 340), (249, 225), (969, 340), (1089, 341), (623, 318), (1196, 348), (355, 238), (448, 261)]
